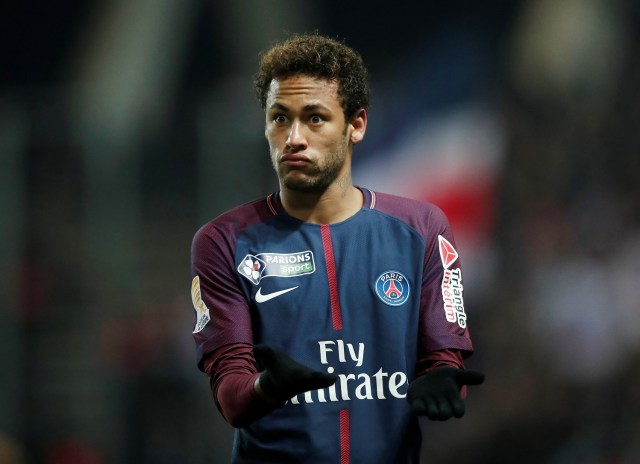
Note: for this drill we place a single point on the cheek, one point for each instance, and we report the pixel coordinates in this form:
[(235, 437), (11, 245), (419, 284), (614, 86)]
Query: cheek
[(274, 149), (339, 143), (331, 141), (272, 141), (273, 152), (274, 137)]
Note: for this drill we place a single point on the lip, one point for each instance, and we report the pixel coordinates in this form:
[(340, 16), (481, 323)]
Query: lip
[(294, 160)]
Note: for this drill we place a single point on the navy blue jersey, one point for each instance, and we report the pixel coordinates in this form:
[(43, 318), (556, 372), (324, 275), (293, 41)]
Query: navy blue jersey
[(363, 299)]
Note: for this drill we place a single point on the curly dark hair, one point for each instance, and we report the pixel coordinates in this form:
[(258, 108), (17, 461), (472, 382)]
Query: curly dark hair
[(317, 56)]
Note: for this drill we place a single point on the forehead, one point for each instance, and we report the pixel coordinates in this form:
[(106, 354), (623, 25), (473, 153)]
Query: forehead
[(305, 89)]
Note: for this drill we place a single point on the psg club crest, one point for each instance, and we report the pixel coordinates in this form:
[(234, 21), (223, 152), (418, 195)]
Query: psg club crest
[(392, 287)]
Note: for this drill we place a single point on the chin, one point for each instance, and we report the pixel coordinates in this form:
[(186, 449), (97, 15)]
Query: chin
[(315, 182), (305, 185)]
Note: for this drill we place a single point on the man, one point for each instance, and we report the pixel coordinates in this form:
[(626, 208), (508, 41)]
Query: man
[(328, 317)]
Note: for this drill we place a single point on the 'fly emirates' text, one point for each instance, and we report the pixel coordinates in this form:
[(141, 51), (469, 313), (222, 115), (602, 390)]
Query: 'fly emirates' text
[(363, 386)]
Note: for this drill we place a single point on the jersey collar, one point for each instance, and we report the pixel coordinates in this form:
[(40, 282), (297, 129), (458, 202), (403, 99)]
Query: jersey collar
[(275, 203)]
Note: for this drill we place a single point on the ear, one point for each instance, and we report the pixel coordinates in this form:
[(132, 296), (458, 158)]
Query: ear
[(358, 126)]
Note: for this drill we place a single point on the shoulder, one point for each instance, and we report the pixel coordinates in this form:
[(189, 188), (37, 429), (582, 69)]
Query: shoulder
[(418, 214), (233, 222)]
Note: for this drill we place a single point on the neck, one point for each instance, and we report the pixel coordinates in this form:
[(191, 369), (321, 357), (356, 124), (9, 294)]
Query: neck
[(339, 202)]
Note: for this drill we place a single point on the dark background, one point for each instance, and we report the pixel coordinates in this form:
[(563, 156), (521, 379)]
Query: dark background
[(125, 125)]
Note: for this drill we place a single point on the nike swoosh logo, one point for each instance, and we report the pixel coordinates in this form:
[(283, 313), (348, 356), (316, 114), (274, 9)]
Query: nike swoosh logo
[(261, 298)]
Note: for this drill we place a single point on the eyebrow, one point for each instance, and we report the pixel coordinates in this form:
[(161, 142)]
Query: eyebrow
[(308, 107)]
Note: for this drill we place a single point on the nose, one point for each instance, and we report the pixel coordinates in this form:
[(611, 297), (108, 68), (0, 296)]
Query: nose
[(296, 139)]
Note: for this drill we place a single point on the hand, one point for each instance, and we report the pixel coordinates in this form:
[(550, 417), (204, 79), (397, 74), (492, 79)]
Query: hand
[(437, 393), (283, 378)]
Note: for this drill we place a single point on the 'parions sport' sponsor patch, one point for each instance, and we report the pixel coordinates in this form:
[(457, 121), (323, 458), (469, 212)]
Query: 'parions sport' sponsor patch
[(202, 312), (392, 288), (257, 267)]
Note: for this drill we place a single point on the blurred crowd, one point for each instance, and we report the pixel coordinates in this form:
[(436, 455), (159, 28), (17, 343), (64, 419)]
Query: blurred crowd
[(96, 357), (560, 336)]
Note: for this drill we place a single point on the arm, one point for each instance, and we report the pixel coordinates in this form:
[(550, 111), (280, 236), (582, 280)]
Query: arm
[(232, 375), (440, 358), (440, 386), (438, 394), (243, 395)]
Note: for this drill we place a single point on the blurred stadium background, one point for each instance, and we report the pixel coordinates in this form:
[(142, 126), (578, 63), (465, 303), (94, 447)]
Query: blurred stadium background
[(126, 124)]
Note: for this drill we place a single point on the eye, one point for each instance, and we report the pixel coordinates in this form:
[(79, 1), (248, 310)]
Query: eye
[(316, 119), (279, 119)]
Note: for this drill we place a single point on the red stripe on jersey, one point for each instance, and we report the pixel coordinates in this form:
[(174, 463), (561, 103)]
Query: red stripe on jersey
[(270, 204), (345, 438), (373, 199), (336, 314)]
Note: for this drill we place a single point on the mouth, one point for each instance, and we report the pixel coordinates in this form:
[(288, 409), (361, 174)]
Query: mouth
[(294, 160)]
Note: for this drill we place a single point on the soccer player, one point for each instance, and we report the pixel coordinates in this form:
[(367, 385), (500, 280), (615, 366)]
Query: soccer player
[(327, 316)]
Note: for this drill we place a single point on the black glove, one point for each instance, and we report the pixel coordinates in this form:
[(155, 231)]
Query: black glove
[(283, 378), (437, 393)]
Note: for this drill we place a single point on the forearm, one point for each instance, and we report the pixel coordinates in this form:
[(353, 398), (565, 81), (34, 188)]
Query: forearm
[(232, 374), (440, 358)]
